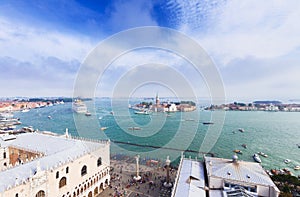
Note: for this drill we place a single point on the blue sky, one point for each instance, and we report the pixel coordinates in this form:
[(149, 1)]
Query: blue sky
[(255, 45)]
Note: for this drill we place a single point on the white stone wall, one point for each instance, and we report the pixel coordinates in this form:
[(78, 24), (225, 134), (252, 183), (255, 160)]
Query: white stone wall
[(2, 160), (96, 177)]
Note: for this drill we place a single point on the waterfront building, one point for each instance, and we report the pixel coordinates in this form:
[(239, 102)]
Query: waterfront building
[(220, 177), (46, 164)]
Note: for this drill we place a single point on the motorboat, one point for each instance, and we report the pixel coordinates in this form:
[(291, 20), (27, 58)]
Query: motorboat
[(262, 154), (88, 113), (238, 151), (256, 158), (134, 128), (207, 123), (241, 130), (103, 128), (25, 110), (287, 161), (244, 145), (142, 112), (297, 168)]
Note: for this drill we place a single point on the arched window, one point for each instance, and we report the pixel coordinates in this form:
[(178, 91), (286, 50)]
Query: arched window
[(67, 170), (62, 182), (4, 155), (83, 170), (41, 193), (57, 174), (5, 164), (17, 195), (99, 161)]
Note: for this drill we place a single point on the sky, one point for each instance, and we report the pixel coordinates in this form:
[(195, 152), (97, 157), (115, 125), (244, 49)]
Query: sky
[(254, 45)]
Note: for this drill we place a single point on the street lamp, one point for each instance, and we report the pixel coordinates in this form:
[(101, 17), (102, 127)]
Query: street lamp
[(168, 183)]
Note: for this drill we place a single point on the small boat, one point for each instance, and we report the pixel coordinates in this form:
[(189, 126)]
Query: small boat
[(269, 173), (238, 151), (189, 119), (244, 145), (50, 117), (88, 113), (142, 112), (287, 161), (287, 171), (112, 113), (241, 130), (103, 128), (297, 168), (207, 123), (256, 158), (298, 145), (262, 154), (25, 110), (134, 128)]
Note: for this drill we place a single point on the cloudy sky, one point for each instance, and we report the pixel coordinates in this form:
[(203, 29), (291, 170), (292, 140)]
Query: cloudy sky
[(255, 46)]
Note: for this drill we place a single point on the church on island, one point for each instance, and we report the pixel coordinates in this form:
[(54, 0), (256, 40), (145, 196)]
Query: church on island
[(43, 164), (158, 106)]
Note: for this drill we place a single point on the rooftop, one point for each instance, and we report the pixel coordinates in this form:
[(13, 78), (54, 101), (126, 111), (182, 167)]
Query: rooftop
[(191, 179), (57, 150), (249, 173)]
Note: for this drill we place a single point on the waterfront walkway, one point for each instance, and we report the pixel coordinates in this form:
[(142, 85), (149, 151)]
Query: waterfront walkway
[(151, 184)]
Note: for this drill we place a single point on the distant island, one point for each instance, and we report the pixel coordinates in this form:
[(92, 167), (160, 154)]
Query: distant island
[(257, 106), (158, 106), (23, 104)]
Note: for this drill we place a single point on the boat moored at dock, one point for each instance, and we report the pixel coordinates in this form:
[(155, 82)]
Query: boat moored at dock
[(256, 158)]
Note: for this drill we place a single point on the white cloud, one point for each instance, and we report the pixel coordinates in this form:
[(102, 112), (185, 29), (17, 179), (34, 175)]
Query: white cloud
[(27, 43), (239, 29)]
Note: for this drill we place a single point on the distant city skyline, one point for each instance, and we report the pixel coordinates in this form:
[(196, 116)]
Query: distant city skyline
[(254, 45)]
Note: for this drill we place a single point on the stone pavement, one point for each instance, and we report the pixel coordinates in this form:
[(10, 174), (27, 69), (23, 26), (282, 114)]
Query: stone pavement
[(151, 184)]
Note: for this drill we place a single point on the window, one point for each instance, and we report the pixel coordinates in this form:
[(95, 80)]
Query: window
[(83, 170), (17, 195), (62, 182), (99, 161), (4, 155), (5, 164), (67, 170), (57, 174), (41, 193)]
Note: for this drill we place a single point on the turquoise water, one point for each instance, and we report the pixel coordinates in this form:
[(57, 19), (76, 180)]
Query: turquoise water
[(274, 133)]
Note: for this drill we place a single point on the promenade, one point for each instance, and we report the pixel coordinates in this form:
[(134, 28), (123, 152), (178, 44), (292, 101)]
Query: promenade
[(151, 184)]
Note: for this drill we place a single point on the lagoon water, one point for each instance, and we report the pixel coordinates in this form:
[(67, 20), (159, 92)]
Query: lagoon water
[(274, 133)]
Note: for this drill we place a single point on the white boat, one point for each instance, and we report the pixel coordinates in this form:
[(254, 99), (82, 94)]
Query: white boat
[(25, 110), (262, 154), (256, 158), (103, 128), (134, 128), (142, 112), (6, 115), (241, 130), (287, 161), (79, 106), (88, 113), (297, 168)]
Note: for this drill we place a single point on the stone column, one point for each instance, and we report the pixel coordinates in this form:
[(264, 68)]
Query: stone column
[(137, 177), (168, 183)]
